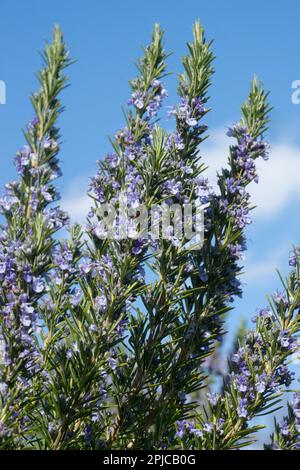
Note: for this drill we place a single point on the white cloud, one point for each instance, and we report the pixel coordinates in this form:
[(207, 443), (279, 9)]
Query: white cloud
[(265, 267), (279, 180), (77, 207), (76, 202)]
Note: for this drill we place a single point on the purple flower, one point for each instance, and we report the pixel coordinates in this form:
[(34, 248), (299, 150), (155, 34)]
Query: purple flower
[(240, 214), (173, 187), (75, 298), (175, 140), (234, 186), (3, 388), (27, 274), (22, 159), (33, 123), (208, 427), (50, 144), (189, 268), (242, 408), (239, 356), (184, 427), (261, 383), (284, 376), (296, 405), (288, 341), (8, 202), (279, 297), (188, 114), (203, 190), (138, 246), (100, 303), (27, 314), (46, 194), (191, 121), (213, 398), (112, 363), (85, 267), (263, 313), (93, 328), (156, 102), (137, 98), (155, 83), (63, 257), (242, 383), (237, 251), (197, 105), (196, 432), (113, 160), (294, 256), (202, 273), (38, 285), (284, 427)]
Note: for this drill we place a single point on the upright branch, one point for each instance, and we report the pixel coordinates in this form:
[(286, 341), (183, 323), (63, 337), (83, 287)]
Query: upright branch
[(174, 162), (258, 375), (27, 238), (286, 435)]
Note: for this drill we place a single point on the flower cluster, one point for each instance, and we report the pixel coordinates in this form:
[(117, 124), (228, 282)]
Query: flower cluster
[(27, 237), (151, 100), (188, 113), (259, 370), (284, 426), (287, 432), (243, 156)]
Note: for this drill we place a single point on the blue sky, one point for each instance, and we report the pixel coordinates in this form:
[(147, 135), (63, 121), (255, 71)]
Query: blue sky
[(106, 37)]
